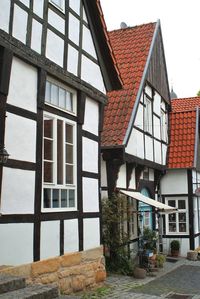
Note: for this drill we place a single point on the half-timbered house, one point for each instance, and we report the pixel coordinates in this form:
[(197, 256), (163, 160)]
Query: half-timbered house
[(135, 132), (180, 185), (55, 68)]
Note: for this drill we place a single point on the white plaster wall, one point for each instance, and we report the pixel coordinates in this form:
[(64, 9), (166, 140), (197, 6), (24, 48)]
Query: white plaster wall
[(87, 42), (84, 14), (121, 181), (74, 29), (90, 195), (72, 60), (16, 243), (20, 24), (164, 154), (132, 183), (38, 7), (18, 191), (174, 182), (56, 21), (90, 155), (91, 123), (20, 94), (148, 90), (20, 138), (103, 173), (91, 73), (157, 149), (50, 239), (36, 36), (91, 233), (136, 144), (71, 239), (157, 103), (54, 48), (151, 174), (26, 2), (196, 228), (156, 124), (4, 15), (196, 242), (104, 194), (139, 117), (75, 5), (184, 245), (148, 148)]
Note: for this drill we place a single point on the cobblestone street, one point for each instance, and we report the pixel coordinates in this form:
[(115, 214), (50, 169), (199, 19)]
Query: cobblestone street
[(180, 280)]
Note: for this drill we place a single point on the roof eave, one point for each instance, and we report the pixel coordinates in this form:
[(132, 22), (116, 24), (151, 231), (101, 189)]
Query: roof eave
[(196, 145), (110, 73)]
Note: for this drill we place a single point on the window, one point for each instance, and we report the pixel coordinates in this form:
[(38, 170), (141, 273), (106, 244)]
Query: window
[(61, 97), (177, 222), (164, 125), (131, 216), (148, 115), (58, 3), (59, 162)]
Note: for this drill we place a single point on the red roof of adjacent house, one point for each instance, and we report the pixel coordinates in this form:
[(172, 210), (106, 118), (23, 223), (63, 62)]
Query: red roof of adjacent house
[(182, 132), (131, 48)]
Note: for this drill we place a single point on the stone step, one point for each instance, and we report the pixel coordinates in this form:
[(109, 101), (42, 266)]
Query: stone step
[(11, 283), (33, 292)]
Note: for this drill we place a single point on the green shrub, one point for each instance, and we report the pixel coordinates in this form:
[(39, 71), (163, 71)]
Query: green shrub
[(175, 245)]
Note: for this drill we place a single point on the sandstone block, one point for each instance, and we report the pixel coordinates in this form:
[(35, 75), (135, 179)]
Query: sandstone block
[(78, 283), (45, 266), (49, 278), (24, 270), (92, 254), (65, 284), (100, 276), (69, 260)]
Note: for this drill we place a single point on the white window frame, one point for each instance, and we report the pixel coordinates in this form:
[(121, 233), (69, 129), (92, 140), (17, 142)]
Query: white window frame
[(60, 7), (54, 184), (177, 232), (59, 85), (148, 122)]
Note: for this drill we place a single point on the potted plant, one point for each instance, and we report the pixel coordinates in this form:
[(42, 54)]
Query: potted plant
[(175, 247), (160, 259)]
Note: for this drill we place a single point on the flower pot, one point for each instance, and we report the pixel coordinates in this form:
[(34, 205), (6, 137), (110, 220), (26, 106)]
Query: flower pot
[(174, 253), (139, 273)]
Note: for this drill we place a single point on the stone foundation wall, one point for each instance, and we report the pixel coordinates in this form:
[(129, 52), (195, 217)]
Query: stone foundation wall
[(71, 272)]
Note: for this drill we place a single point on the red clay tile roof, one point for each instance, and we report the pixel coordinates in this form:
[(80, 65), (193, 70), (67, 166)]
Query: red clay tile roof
[(131, 48), (182, 132)]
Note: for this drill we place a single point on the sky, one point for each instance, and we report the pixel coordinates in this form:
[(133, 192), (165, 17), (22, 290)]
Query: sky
[(180, 25)]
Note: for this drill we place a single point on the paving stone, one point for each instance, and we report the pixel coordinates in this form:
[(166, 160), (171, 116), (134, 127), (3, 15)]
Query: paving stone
[(33, 292)]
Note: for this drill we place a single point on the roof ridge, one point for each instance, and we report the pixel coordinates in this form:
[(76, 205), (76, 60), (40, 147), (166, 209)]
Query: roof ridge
[(132, 27), (179, 99)]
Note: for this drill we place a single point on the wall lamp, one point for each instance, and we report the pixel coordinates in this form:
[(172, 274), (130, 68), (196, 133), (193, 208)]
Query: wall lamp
[(3, 155)]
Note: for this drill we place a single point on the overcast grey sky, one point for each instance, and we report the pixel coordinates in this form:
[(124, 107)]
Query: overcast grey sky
[(180, 24)]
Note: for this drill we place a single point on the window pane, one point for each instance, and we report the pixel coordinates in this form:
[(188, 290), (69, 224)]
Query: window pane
[(48, 128), (172, 217), (172, 227), (71, 198), (54, 94), (57, 2), (55, 198), (48, 149), (47, 198), (63, 198), (69, 133), (182, 217), (48, 92), (69, 153), (48, 172), (69, 174), (182, 227), (61, 98), (172, 203), (69, 105), (60, 152), (181, 204)]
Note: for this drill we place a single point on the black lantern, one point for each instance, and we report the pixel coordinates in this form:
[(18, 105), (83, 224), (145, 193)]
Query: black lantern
[(3, 155)]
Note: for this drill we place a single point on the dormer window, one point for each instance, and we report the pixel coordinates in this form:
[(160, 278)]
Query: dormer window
[(59, 4)]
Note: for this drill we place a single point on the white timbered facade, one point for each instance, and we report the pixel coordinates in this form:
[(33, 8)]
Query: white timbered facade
[(55, 68)]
